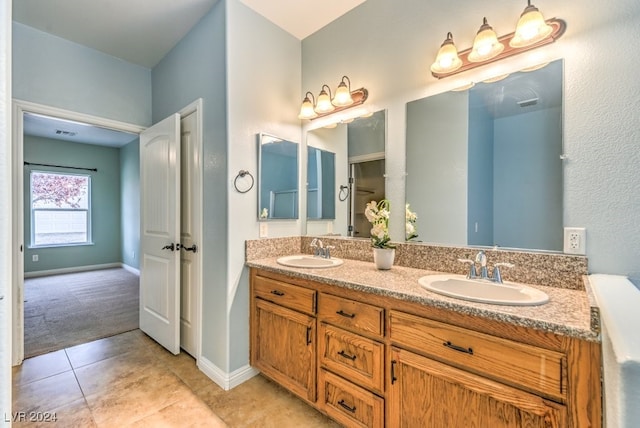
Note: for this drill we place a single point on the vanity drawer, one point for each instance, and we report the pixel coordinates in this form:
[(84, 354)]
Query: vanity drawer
[(536, 369), (356, 358), (349, 404), (354, 316), (291, 296)]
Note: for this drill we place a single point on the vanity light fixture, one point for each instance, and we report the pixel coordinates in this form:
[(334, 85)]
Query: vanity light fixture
[(531, 28), (324, 105), (343, 94), (532, 31), (486, 44), (447, 60), (307, 109)]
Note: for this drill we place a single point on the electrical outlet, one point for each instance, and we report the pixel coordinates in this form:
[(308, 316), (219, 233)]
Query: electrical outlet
[(575, 240), (34, 258)]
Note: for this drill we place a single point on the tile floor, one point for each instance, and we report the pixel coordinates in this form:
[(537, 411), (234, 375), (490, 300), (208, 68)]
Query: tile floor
[(128, 380)]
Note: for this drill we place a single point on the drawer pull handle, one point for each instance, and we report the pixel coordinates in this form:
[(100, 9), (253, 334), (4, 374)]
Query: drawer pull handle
[(393, 371), (345, 355), (345, 314), (448, 344), (308, 335), (277, 293), (346, 406)]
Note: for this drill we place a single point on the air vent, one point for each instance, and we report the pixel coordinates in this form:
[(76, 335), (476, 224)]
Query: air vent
[(66, 133), (529, 102)]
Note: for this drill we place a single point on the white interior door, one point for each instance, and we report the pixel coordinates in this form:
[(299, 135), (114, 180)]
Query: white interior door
[(190, 233), (160, 232)]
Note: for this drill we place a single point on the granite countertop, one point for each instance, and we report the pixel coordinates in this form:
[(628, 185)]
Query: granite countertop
[(568, 312)]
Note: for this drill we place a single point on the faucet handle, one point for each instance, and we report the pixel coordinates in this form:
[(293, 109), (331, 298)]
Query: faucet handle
[(497, 276), (327, 251), (472, 267)]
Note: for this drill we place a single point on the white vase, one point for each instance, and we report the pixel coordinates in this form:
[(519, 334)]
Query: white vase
[(383, 257)]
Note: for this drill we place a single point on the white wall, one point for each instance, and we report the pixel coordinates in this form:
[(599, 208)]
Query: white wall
[(388, 50), (263, 92), (5, 209)]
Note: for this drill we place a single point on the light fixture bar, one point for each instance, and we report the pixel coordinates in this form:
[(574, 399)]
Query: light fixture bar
[(359, 96), (558, 25)]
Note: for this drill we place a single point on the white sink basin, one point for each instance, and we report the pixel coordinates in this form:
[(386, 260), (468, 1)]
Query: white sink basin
[(483, 291), (307, 261)]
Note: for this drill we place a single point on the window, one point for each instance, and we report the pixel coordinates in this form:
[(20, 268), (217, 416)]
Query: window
[(60, 209)]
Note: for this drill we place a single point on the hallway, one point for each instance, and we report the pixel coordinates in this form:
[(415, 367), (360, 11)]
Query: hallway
[(128, 380)]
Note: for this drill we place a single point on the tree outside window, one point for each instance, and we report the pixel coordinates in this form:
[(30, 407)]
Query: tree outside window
[(60, 209)]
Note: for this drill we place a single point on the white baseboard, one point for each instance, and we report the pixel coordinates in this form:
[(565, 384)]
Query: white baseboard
[(74, 269), (130, 269), (225, 380)]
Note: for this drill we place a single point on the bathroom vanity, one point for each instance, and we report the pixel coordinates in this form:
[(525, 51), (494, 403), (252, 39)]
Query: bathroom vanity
[(372, 348)]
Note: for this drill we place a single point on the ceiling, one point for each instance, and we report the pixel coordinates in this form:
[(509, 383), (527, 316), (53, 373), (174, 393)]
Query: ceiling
[(67, 130), (144, 31)]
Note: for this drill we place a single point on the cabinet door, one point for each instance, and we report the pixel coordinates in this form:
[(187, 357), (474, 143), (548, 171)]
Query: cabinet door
[(283, 347), (428, 393)]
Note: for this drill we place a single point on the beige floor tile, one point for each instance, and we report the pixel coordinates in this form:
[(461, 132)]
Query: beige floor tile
[(98, 350), (130, 402), (184, 366), (74, 414), (46, 394), (188, 413), (112, 373), (40, 367)]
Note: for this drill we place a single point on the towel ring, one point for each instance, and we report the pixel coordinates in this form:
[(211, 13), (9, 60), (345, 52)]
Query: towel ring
[(241, 174), (344, 190)]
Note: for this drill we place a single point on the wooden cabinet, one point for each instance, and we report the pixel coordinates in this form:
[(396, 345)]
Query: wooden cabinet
[(283, 343), (427, 393), (380, 361)]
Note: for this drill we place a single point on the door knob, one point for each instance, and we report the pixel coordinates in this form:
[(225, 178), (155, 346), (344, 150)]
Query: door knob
[(191, 248), (170, 247)]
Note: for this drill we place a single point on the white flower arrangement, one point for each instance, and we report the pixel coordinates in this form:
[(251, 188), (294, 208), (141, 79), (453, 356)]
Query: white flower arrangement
[(378, 215), (410, 224)]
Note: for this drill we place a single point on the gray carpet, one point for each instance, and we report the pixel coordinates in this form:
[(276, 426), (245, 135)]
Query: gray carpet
[(70, 309)]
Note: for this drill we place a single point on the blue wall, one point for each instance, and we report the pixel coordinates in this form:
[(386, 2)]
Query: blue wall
[(130, 202), (53, 71), (196, 68), (105, 203)]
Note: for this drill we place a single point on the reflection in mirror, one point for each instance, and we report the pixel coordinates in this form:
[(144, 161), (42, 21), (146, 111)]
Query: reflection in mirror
[(359, 149), (321, 184), (277, 178), (484, 167)]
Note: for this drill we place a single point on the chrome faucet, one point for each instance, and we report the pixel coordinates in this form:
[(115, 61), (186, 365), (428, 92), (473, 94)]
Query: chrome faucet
[(481, 258), (319, 250)]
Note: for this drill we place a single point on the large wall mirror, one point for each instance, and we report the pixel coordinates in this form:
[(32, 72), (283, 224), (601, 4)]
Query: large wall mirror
[(484, 166), (277, 178), (358, 150)]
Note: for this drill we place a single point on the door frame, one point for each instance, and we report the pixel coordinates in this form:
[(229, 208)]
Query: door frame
[(198, 200), (20, 107)]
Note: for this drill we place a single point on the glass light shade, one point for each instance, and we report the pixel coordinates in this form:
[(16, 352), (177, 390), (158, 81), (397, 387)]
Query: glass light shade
[(485, 45), (323, 105), (343, 96), (306, 110), (447, 59), (531, 28)]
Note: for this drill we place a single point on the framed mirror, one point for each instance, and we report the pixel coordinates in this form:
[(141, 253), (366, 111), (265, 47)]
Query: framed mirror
[(484, 166), (359, 149), (321, 184), (277, 178)]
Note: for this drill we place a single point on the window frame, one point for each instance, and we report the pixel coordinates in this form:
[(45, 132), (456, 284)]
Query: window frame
[(88, 210)]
